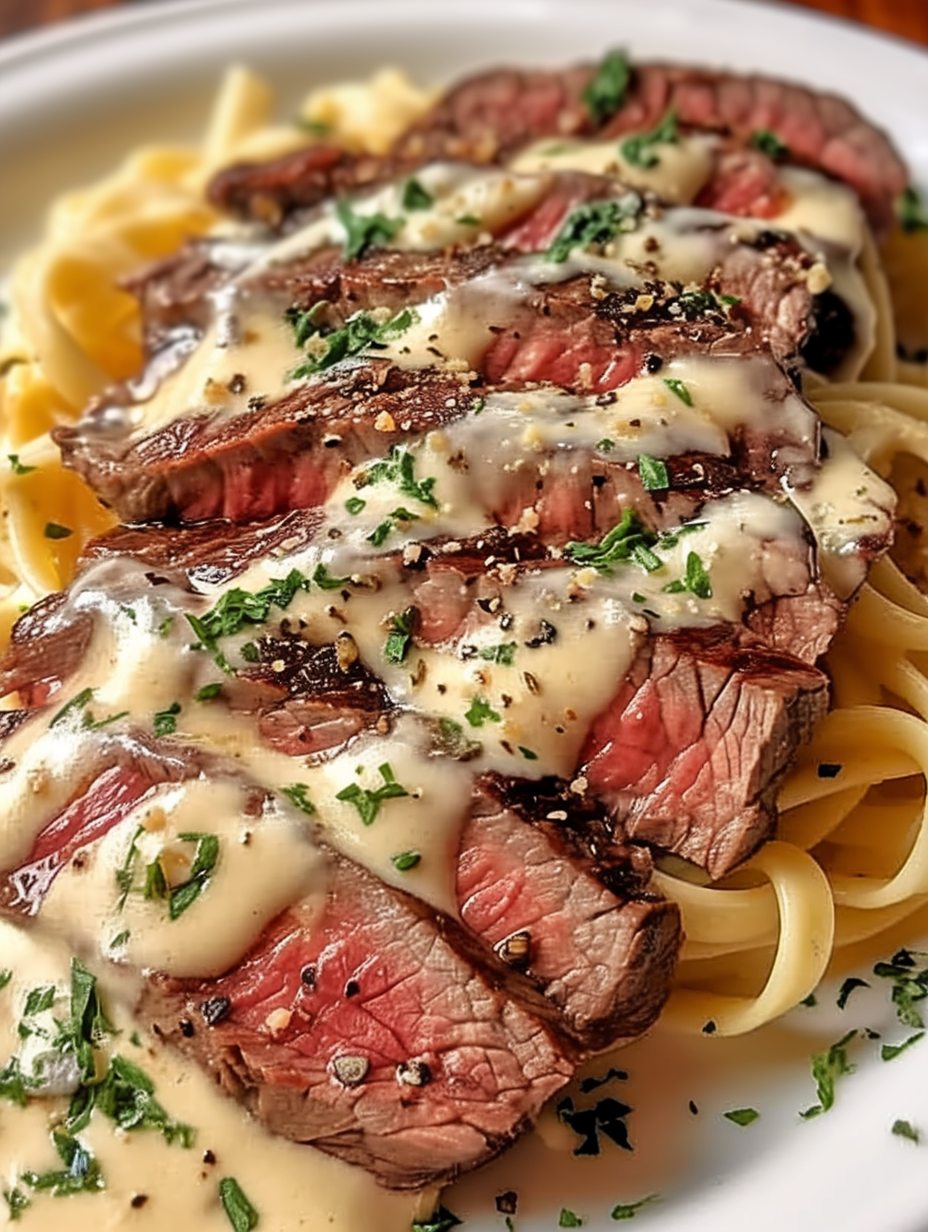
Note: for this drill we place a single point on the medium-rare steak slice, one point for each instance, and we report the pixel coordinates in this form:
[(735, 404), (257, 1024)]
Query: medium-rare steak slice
[(493, 114), (361, 1022), (365, 1031), (690, 754)]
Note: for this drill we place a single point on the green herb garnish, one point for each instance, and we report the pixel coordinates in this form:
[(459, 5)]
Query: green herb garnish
[(567, 1219), (358, 333), (503, 653), (911, 211), (742, 1116), (415, 196), (905, 1129), (399, 467), (594, 225), (847, 988), (405, 861), (240, 1213), (628, 1210), (54, 530), (354, 505), (208, 692), (77, 702), (180, 897), (889, 1052), (298, 794), (239, 608), (827, 1068), (165, 721), (325, 581), (399, 639), (441, 1221), (17, 467), (605, 92), (363, 231), (653, 473), (480, 711), (639, 148), (910, 985), (770, 144), (678, 388), (384, 529), (368, 802), (80, 1174)]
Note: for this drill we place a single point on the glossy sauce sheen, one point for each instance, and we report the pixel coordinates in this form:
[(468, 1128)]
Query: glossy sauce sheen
[(143, 660)]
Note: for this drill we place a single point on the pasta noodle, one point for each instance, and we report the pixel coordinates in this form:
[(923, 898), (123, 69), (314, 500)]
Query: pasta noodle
[(851, 859)]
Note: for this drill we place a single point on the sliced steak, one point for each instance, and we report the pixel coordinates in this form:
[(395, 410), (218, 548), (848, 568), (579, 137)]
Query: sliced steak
[(366, 1031), (493, 114), (288, 453), (560, 901), (690, 754)]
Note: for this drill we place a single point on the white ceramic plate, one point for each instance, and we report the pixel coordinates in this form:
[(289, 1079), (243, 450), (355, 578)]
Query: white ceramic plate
[(72, 100)]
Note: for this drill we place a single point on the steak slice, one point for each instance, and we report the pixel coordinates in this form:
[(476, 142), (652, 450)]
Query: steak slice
[(365, 1030), (690, 754), (287, 453), (491, 115)]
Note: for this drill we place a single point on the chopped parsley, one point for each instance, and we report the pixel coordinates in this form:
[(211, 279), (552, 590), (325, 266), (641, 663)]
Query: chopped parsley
[(180, 897), (678, 388), (325, 581), (239, 608), (742, 1116), (383, 530), (165, 627), (528, 754), (847, 988), (354, 505), (628, 1210), (80, 1174), (17, 467), (399, 467), (54, 530), (810, 1001), (605, 92), (441, 1220), (77, 702), (469, 220), (405, 861), (606, 1117), (5, 976), (606, 445), (910, 985), (250, 652), (240, 1213), (165, 721), (827, 1068), (503, 653), (616, 545), (208, 692), (452, 740), (769, 143), (368, 802), (480, 711), (695, 304), (318, 128), (567, 1219), (905, 1129), (911, 210), (415, 196), (298, 794), (888, 1052), (639, 148), (594, 225), (359, 332), (399, 639), (17, 1202), (363, 231), (695, 579), (653, 473)]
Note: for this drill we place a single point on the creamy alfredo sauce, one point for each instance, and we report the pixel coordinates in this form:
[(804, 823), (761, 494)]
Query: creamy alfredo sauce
[(517, 684)]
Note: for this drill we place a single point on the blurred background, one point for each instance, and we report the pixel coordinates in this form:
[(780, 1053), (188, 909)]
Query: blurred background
[(906, 18)]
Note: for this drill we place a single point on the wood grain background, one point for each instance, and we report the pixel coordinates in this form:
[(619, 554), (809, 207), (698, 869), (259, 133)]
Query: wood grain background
[(907, 18)]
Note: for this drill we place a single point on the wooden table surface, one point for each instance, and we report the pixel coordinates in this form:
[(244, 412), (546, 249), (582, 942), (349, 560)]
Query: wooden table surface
[(908, 18)]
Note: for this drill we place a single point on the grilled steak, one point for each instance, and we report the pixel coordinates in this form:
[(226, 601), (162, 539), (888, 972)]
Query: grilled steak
[(492, 114), (367, 1032)]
